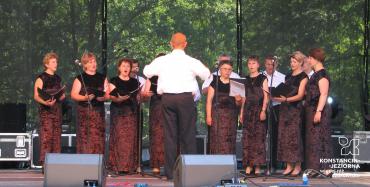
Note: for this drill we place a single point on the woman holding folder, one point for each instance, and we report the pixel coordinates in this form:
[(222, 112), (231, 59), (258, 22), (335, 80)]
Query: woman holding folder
[(290, 147), (222, 114), (90, 90), (49, 93), (123, 150), (253, 115)]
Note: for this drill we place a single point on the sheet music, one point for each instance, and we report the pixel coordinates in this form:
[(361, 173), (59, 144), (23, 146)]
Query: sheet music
[(237, 87)]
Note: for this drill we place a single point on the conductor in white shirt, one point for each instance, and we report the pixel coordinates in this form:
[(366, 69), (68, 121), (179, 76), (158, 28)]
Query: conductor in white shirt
[(274, 78), (177, 73)]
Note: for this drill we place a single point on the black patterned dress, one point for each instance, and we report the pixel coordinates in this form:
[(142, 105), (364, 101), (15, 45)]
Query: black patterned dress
[(50, 118), (90, 119), (224, 120), (254, 130), (156, 133), (123, 147), (318, 140), (290, 147)]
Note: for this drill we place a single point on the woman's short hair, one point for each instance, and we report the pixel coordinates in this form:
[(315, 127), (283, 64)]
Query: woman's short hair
[(122, 60), (318, 54), (49, 56), (254, 57), (225, 62), (299, 56)]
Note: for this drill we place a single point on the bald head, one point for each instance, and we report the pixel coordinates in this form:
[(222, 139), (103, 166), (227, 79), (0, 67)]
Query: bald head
[(178, 41)]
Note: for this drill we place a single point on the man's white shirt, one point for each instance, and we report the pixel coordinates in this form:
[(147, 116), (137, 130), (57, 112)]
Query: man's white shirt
[(276, 80), (310, 74), (176, 72)]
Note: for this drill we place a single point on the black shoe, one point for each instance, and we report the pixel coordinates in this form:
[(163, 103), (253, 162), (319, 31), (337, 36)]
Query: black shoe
[(296, 175), (122, 173)]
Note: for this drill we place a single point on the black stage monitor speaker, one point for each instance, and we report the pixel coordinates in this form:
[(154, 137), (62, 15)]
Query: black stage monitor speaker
[(73, 170), (203, 170)]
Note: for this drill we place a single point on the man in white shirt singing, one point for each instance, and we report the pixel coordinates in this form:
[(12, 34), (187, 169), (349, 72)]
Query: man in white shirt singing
[(274, 79), (307, 68), (135, 73), (176, 81)]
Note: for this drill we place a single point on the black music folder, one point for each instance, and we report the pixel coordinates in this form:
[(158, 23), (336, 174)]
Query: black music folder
[(51, 93), (96, 92), (282, 89), (115, 92)]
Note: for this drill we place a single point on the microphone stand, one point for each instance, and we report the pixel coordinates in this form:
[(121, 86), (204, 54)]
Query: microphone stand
[(269, 124), (216, 107), (139, 129), (83, 81), (270, 112), (88, 100), (106, 139), (140, 136)]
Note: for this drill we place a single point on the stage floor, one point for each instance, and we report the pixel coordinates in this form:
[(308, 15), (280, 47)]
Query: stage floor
[(34, 178)]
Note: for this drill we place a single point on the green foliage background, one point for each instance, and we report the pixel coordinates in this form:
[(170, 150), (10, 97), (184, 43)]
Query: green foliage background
[(29, 29)]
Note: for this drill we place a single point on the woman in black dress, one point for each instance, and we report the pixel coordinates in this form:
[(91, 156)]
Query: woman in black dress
[(318, 139), (156, 133), (222, 114), (253, 115), (123, 148), (90, 91), (290, 148), (50, 113)]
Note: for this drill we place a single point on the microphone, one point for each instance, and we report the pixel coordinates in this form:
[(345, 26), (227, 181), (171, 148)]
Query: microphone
[(77, 62), (275, 58), (217, 63)]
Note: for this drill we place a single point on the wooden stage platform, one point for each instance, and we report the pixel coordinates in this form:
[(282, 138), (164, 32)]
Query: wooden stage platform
[(34, 178)]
